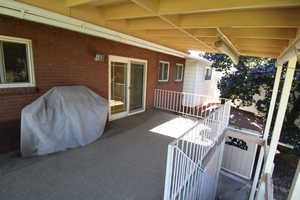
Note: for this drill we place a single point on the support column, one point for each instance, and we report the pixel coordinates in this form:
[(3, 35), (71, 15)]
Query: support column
[(273, 102), (280, 114), (267, 130)]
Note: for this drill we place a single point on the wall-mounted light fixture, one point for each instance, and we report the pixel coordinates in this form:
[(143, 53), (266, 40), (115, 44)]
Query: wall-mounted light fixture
[(99, 58)]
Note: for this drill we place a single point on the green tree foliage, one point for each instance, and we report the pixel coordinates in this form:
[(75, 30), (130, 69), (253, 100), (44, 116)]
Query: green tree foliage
[(252, 76)]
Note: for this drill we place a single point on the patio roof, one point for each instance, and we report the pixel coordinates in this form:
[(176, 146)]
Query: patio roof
[(252, 27)]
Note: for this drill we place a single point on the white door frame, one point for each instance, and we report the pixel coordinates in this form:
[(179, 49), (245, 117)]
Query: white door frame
[(112, 58)]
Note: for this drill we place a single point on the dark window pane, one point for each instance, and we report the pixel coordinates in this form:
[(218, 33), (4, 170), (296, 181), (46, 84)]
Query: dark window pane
[(179, 70), (15, 62), (160, 76), (166, 70), (208, 74)]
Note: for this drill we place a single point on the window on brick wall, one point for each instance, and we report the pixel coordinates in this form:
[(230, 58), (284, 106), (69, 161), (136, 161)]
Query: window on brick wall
[(163, 71), (16, 67), (179, 72)]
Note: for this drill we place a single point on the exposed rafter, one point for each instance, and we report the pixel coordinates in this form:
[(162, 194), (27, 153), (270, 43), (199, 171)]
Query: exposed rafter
[(204, 32), (152, 23), (261, 33), (279, 17), (258, 27), (226, 39), (195, 6), (173, 21), (260, 42), (150, 5), (259, 54), (125, 11), (74, 3)]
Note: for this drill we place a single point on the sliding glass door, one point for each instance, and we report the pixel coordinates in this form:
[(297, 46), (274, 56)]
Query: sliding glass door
[(118, 101), (127, 86), (137, 71)]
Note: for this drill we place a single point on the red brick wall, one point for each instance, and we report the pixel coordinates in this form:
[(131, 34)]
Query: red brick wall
[(63, 57)]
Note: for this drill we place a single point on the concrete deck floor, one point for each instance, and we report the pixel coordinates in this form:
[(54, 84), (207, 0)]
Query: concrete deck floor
[(126, 163), (232, 187)]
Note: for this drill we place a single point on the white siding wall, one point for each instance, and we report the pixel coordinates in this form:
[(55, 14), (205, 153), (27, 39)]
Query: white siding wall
[(190, 75), (194, 80)]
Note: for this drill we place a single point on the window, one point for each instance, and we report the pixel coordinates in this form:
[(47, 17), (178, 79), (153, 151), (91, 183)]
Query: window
[(179, 72), (208, 73), (163, 71), (16, 67)]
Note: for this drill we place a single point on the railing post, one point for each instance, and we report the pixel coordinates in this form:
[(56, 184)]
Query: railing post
[(154, 98), (169, 172)]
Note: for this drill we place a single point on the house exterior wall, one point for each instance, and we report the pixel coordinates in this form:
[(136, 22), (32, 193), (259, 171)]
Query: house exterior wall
[(63, 57), (194, 79), (190, 75), (194, 82)]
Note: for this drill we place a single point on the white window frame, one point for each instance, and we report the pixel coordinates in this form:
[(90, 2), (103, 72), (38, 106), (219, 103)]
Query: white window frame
[(30, 65), (164, 62), (182, 70)]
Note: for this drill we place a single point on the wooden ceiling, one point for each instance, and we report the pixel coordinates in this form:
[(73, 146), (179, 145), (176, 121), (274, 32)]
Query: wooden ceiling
[(251, 27)]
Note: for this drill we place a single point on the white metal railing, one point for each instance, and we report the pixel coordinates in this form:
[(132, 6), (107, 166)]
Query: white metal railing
[(193, 161), (185, 103)]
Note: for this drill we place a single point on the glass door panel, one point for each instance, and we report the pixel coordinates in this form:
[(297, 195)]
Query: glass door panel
[(136, 86), (118, 101)]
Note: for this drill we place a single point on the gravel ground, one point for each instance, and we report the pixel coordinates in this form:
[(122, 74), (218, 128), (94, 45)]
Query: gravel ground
[(285, 166)]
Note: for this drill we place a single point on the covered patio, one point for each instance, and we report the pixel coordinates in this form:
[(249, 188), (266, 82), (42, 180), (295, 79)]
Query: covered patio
[(128, 162)]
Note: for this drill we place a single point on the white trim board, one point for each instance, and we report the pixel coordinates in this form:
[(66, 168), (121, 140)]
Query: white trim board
[(32, 13)]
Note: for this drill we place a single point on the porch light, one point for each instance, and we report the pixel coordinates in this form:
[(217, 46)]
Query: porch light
[(223, 47)]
